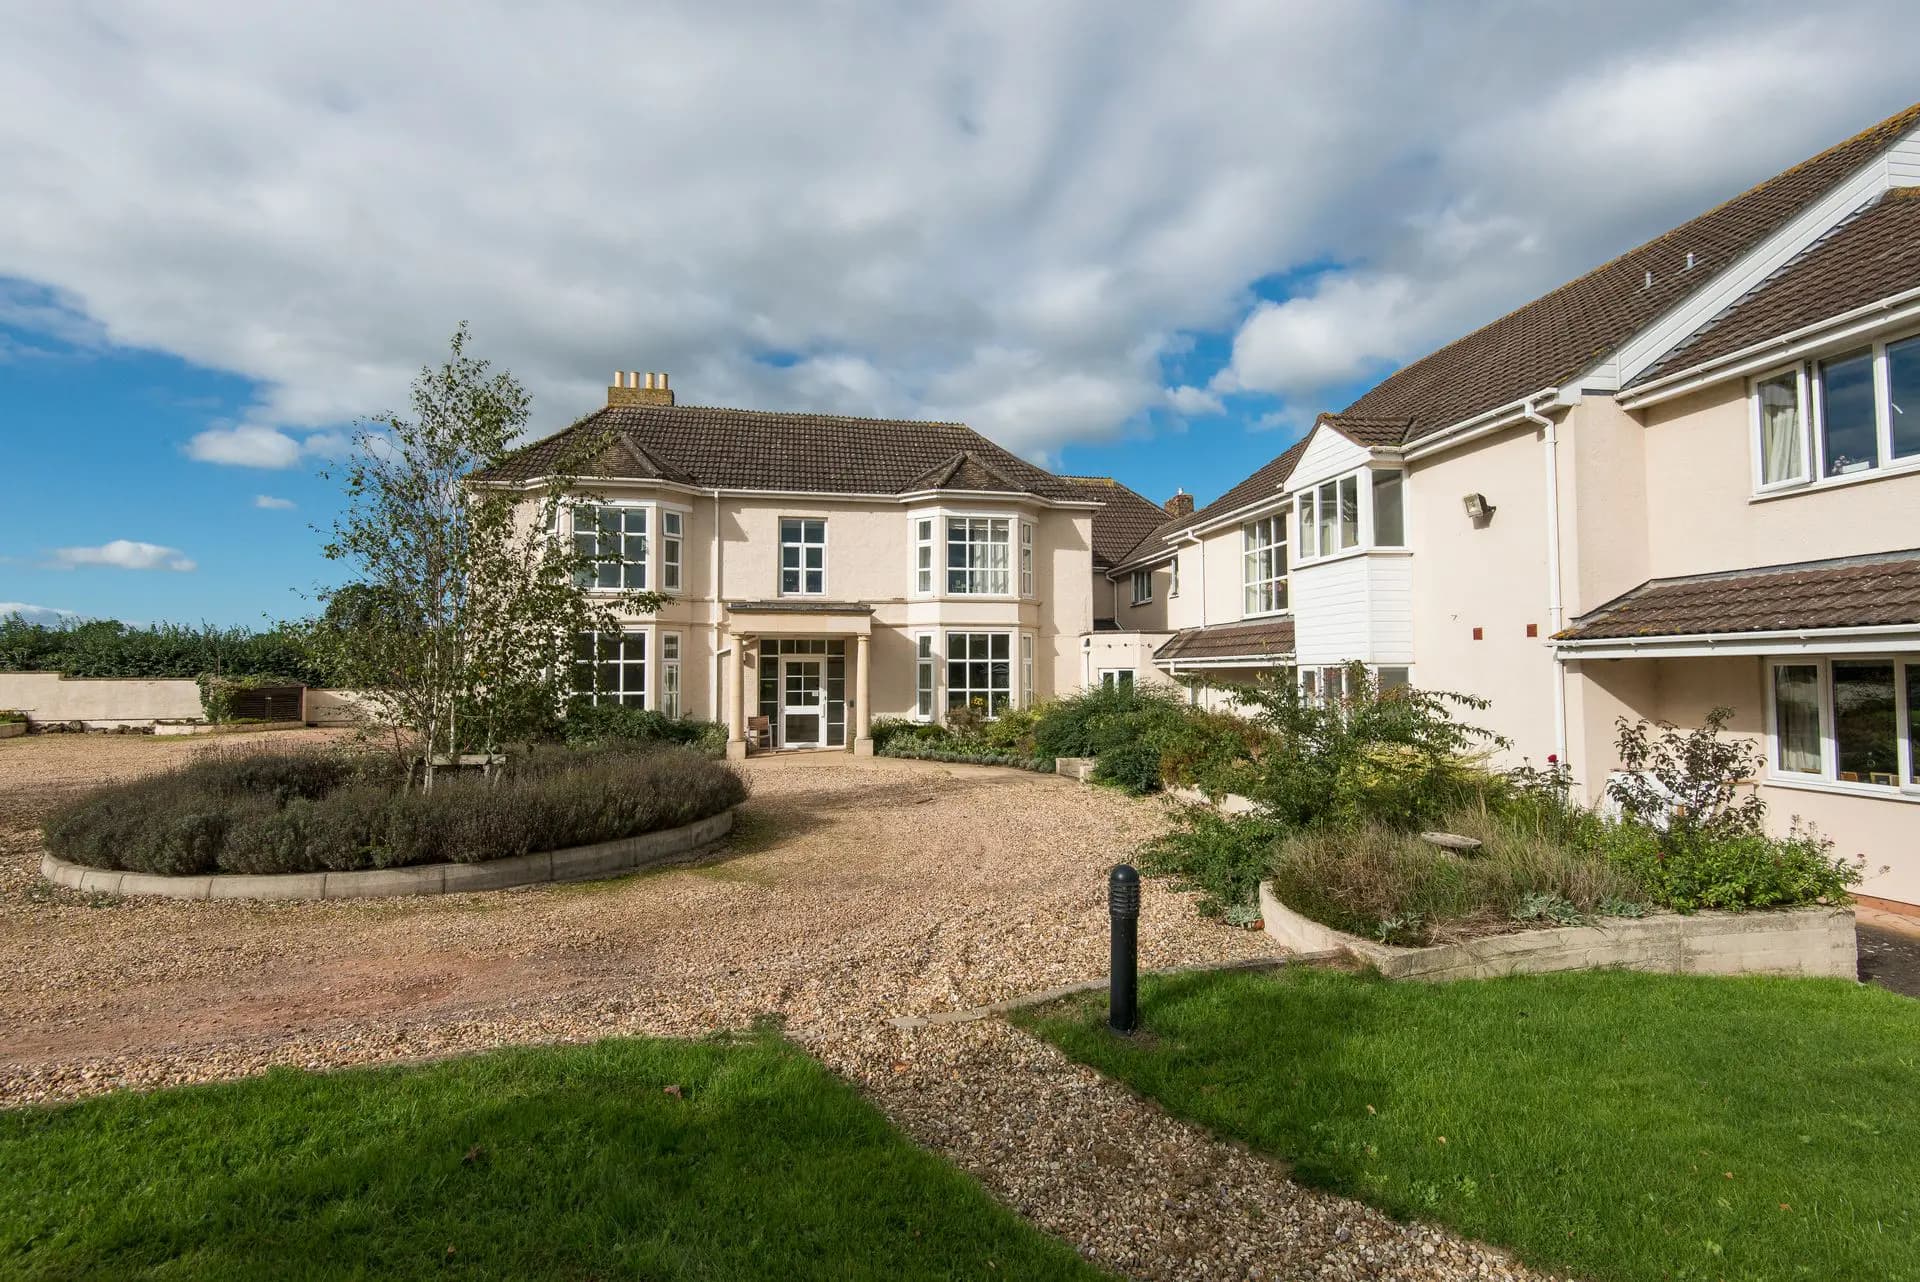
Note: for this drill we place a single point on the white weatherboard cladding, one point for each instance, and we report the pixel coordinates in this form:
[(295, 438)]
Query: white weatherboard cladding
[(1898, 166), (1328, 454), (1330, 611), (1390, 592)]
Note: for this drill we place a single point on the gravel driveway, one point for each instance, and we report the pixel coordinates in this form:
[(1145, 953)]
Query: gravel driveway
[(852, 890)]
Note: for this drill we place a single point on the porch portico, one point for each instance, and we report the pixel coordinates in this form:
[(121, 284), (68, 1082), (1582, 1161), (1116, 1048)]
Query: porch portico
[(793, 654)]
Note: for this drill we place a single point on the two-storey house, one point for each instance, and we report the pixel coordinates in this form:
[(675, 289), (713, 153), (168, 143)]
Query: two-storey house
[(1688, 479), (820, 571)]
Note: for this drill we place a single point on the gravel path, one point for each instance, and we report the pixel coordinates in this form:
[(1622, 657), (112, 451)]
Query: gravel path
[(851, 891)]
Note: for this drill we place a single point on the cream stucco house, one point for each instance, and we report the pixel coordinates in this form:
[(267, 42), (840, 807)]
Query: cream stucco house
[(821, 571), (1689, 478)]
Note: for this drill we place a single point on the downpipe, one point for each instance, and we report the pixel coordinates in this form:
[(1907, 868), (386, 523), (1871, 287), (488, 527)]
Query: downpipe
[(1550, 439)]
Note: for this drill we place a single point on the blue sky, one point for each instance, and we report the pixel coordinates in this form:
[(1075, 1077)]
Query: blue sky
[(1118, 239)]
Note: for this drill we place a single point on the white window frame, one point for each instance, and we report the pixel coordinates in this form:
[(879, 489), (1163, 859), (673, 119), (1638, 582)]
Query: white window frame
[(1828, 777), (1109, 678), (629, 569), (926, 676), (673, 525), (1141, 586), (1026, 669), (1173, 577), (1370, 515), (802, 544), (926, 542), (1276, 524), (1813, 433), (1026, 558), (968, 691), (945, 543), (672, 702), (644, 663)]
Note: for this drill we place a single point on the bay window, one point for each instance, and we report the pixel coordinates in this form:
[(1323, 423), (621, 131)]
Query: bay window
[(1846, 721), (1346, 513), (923, 554), (1844, 415), (1263, 570), (923, 676), (978, 562), (980, 671), (612, 538), (803, 556), (1389, 510)]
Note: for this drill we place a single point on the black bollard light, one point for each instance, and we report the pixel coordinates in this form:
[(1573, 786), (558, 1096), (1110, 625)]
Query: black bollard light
[(1123, 919)]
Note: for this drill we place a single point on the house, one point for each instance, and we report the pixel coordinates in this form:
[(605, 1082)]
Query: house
[(822, 570), (1688, 479)]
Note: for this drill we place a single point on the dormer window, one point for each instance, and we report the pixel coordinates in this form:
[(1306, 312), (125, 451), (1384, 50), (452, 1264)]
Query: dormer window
[(1347, 513)]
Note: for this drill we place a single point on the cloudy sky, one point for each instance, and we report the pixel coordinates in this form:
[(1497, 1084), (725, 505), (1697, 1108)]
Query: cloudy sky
[(1142, 240)]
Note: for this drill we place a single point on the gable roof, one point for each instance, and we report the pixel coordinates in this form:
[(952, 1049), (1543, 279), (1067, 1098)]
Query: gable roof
[(1123, 522), (758, 450), (1555, 337), (1870, 256), (1264, 483), (1845, 592)]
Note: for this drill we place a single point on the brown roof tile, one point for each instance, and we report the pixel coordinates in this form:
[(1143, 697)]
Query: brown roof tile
[(1850, 592), (758, 450), (1872, 255), (1265, 482), (1269, 640), (1553, 338), (1125, 517)]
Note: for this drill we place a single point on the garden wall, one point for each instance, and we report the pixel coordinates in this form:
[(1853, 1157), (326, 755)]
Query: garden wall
[(577, 863), (1792, 941), (100, 701)]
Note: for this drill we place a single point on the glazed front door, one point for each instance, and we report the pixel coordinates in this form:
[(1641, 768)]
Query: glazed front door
[(803, 708)]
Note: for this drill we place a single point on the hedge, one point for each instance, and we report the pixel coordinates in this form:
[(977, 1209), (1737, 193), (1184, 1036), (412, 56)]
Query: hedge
[(105, 648), (918, 750)]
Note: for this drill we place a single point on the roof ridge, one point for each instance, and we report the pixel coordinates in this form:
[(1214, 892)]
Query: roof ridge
[(842, 418)]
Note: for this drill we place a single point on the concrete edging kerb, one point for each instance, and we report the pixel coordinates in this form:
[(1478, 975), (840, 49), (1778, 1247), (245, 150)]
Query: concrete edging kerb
[(575, 863), (1783, 941)]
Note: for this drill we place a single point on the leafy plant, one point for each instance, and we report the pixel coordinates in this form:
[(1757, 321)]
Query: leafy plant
[(11, 715), (1694, 785), (106, 648), (588, 722)]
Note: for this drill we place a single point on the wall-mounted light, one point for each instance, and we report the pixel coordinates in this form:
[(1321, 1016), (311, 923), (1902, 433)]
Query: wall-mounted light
[(1479, 511)]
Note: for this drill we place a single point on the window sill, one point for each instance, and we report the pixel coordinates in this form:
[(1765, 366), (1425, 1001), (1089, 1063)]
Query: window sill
[(1348, 555), (1873, 792), (1905, 467)]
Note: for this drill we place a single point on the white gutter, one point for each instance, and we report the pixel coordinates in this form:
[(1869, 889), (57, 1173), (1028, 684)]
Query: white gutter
[(1858, 640), (1471, 429), (1892, 310), (1550, 442)]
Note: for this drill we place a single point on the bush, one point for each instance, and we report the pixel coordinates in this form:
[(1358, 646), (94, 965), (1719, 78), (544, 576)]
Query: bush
[(11, 714), (1223, 857), (1125, 728), (105, 648), (1738, 871), (935, 750), (271, 812), (886, 730), (589, 722)]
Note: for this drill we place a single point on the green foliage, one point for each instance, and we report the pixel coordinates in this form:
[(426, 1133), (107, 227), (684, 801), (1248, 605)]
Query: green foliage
[(217, 692), (937, 749), (885, 730), (1223, 857), (1696, 785), (1736, 871), (11, 714), (105, 648), (629, 1158), (1125, 728), (1611, 1126), (1397, 757), (462, 591), (589, 723), (273, 812)]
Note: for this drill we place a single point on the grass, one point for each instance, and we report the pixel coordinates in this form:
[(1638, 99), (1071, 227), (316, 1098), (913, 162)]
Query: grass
[(1609, 1125), (567, 1162)]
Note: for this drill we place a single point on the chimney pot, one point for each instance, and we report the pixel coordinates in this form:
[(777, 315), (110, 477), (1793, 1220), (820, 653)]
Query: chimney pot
[(627, 389)]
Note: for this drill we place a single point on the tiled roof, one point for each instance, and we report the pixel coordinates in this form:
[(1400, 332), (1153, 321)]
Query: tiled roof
[(1264, 639), (1264, 483), (1850, 592), (1553, 338), (756, 450), (1368, 431), (1872, 255), (1125, 518), (963, 472)]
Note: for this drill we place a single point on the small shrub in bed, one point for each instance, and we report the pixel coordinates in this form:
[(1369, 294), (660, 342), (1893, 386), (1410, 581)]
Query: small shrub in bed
[(947, 750), (274, 812), (588, 722)]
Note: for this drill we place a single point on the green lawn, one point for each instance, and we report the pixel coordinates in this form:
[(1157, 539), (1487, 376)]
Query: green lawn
[(569, 1162), (1610, 1125)]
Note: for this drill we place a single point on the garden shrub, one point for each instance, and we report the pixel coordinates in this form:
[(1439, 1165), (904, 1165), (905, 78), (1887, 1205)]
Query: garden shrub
[(589, 722), (886, 730), (917, 749), (105, 648), (1125, 728), (1223, 857), (269, 812), (11, 714)]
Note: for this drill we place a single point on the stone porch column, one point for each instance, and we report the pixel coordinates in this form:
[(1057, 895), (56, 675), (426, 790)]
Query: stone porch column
[(863, 696), (737, 701)]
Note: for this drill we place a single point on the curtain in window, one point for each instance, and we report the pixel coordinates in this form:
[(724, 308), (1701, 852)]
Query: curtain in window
[(1780, 430), (1796, 717)]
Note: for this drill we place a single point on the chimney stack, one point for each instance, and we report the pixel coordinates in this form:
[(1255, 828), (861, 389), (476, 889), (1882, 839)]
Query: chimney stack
[(627, 389), (1181, 504)]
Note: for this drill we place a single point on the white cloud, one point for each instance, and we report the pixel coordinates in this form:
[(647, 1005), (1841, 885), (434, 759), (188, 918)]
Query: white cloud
[(892, 204), (1194, 402), (124, 554), (46, 614), (273, 504)]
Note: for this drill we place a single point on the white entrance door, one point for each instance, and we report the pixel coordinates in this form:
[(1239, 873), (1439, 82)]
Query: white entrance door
[(803, 704)]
